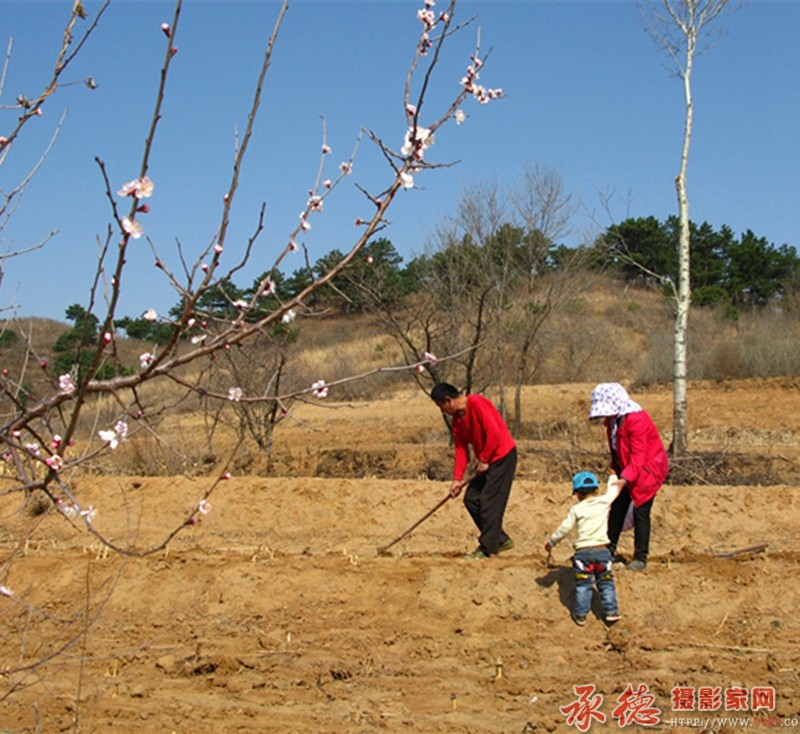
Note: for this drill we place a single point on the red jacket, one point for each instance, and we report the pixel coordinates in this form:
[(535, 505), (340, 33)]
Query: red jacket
[(642, 460), (483, 428)]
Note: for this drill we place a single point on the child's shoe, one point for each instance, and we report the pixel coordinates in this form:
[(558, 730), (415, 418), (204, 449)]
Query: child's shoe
[(613, 617), (580, 621)]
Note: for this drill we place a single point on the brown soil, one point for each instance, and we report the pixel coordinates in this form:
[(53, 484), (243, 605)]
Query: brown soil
[(277, 613)]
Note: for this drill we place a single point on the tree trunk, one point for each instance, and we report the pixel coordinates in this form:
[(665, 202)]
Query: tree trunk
[(680, 438)]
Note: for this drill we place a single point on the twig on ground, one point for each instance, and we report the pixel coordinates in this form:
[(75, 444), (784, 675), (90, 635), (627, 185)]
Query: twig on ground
[(760, 548)]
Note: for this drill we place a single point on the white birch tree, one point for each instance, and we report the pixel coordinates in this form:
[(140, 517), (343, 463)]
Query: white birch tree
[(680, 29)]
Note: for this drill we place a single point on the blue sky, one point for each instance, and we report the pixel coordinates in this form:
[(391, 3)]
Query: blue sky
[(587, 95)]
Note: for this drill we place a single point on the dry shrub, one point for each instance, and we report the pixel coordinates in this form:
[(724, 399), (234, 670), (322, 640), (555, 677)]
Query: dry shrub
[(760, 343), (767, 342), (357, 349)]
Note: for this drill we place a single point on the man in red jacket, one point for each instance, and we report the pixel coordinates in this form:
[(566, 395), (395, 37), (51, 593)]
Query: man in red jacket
[(476, 423), (639, 460)]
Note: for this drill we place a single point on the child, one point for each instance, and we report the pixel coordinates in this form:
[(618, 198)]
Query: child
[(592, 559)]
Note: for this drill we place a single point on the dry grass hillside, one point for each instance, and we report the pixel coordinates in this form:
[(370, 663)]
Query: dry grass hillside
[(278, 613)]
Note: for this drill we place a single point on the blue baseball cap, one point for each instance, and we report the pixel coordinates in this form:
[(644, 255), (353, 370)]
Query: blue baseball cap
[(584, 480)]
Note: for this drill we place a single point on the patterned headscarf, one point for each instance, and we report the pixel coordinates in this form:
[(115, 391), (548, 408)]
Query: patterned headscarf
[(610, 398)]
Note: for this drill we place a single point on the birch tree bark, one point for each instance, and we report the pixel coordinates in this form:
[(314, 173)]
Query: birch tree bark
[(677, 26)]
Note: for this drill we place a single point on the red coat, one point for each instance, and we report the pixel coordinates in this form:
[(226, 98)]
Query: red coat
[(643, 461), (483, 428)]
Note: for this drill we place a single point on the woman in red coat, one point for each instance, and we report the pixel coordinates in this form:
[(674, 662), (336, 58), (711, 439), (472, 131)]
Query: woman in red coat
[(639, 460)]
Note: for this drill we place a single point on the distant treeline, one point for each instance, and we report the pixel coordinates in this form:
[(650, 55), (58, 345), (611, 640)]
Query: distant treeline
[(738, 273)]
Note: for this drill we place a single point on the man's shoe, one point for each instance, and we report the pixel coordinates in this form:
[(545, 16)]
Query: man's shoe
[(636, 565), (580, 621), (477, 553), (611, 618), (508, 545)]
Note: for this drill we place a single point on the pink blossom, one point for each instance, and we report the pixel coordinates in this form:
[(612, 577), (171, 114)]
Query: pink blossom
[(226, 475), (417, 140), (110, 437), (173, 50), (460, 117), (191, 322), (320, 389), (146, 359), (115, 436), (150, 315), (133, 228), (419, 368), (128, 189), (427, 18), (204, 506), (3, 141), (407, 180), (346, 167), (70, 510), (430, 358), (65, 383), (146, 187), (424, 44), (55, 462), (293, 246), (326, 149), (235, 394), (141, 188), (5, 591), (369, 259), (107, 337), (315, 203), (289, 316), (218, 248), (88, 514), (327, 183), (165, 29)]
